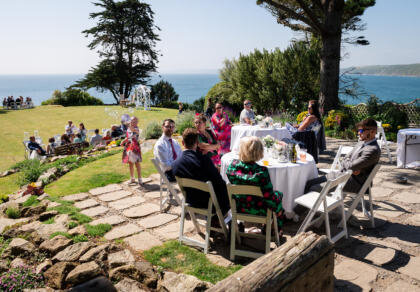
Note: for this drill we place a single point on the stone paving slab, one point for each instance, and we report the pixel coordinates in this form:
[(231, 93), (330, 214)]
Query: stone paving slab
[(156, 220), (408, 197), (112, 220), (386, 210), (141, 211), (142, 241), (412, 269), (415, 219), (152, 195), (113, 196), (76, 197), (380, 256), (171, 231), (105, 189), (127, 203), (356, 272), (86, 204), (122, 231), (402, 286), (95, 211)]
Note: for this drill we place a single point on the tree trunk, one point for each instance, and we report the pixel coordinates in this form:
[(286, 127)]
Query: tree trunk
[(330, 57)]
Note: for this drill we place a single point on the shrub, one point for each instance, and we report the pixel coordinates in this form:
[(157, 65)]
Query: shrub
[(169, 104), (12, 213), (301, 116), (31, 201), (20, 278), (163, 92), (337, 118), (184, 121), (97, 230), (72, 97), (65, 234), (153, 130), (80, 238), (72, 224), (30, 172)]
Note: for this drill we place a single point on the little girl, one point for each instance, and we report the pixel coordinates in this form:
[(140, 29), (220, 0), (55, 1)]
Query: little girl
[(132, 151)]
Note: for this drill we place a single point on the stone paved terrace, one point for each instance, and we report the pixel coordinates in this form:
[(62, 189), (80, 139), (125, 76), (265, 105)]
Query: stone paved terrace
[(386, 258)]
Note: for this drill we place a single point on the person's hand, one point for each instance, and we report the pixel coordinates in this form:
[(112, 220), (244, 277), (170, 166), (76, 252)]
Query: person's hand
[(222, 121), (356, 172)]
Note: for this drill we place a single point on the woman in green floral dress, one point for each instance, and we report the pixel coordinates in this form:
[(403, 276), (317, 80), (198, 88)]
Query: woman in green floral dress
[(245, 171)]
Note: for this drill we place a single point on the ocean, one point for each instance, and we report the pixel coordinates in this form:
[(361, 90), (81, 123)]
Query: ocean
[(193, 86)]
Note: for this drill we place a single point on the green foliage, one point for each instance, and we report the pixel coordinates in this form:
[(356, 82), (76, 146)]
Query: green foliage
[(197, 106), (31, 171), (67, 207), (301, 116), (80, 218), (184, 120), (338, 119), (4, 243), (183, 259), (72, 97), (97, 230), (31, 201), (125, 39), (65, 234), (72, 224), (48, 221), (13, 213), (4, 198), (20, 278), (80, 238), (153, 130), (272, 80), (387, 113), (163, 92)]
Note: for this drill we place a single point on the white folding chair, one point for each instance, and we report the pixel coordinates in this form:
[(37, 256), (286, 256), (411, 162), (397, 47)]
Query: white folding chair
[(324, 202), (208, 212), (381, 138), (342, 151), (25, 136), (267, 220), (165, 183), (27, 150), (36, 133), (359, 197)]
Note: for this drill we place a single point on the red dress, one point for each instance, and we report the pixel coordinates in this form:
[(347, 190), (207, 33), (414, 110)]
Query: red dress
[(132, 150), (222, 131)]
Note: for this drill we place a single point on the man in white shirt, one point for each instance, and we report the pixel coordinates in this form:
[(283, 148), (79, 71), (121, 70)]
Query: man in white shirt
[(247, 114), (70, 129), (97, 139), (166, 149)]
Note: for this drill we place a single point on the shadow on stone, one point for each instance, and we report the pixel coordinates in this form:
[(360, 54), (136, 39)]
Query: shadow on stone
[(99, 284), (346, 286)]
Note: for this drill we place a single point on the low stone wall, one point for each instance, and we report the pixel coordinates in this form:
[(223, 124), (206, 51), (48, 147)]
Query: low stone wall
[(304, 263)]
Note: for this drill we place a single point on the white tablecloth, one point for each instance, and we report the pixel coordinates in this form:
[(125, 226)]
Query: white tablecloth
[(408, 148), (245, 131), (288, 178)]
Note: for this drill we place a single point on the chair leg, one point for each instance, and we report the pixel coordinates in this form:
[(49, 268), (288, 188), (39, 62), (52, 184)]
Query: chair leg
[(234, 226), (160, 195), (268, 232), (327, 225), (208, 225), (343, 212), (372, 219), (276, 230), (181, 229)]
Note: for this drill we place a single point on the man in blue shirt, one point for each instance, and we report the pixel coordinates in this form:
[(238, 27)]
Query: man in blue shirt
[(34, 146)]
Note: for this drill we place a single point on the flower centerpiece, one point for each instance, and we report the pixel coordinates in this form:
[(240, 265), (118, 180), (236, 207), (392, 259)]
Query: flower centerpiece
[(258, 119), (280, 148), (268, 141), (268, 121)]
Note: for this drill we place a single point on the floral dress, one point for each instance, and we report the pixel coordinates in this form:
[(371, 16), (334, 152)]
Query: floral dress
[(132, 151), (222, 131), (213, 155), (241, 173)]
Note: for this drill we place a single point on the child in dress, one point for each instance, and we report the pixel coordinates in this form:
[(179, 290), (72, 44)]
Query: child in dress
[(132, 151)]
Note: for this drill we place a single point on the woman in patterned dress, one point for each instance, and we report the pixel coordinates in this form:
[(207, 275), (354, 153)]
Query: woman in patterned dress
[(245, 171), (207, 142), (132, 150), (222, 126)]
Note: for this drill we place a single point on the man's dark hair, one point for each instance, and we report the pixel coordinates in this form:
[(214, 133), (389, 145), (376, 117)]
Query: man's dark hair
[(367, 124), (51, 140), (168, 120), (96, 131), (32, 138), (190, 137), (79, 135)]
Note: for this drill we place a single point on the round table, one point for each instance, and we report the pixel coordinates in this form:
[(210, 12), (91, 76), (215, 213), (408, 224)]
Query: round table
[(288, 178), (408, 148), (240, 131)]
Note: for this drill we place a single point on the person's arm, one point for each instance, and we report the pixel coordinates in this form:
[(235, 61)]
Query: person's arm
[(247, 120), (306, 122), (271, 198), (369, 157), (161, 154)]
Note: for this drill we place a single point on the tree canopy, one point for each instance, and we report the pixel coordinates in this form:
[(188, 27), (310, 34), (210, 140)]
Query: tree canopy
[(125, 39)]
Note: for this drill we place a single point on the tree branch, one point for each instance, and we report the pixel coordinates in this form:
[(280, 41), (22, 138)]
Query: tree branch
[(311, 16), (296, 26), (292, 13)]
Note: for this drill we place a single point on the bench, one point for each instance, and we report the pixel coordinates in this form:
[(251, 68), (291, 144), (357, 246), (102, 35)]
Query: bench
[(73, 148)]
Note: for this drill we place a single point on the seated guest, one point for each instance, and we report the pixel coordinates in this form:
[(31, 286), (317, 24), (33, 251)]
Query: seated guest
[(78, 138), (245, 171), (312, 119), (33, 145), (51, 146), (166, 149), (64, 140), (70, 129), (96, 139), (361, 160), (116, 132), (107, 138), (222, 127), (207, 142), (192, 164), (82, 131), (247, 114)]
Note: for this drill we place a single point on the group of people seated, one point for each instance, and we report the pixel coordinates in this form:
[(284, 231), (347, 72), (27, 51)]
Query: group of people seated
[(10, 103), (201, 160)]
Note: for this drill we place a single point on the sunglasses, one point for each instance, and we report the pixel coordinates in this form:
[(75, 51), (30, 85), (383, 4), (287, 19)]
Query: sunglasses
[(248, 103)]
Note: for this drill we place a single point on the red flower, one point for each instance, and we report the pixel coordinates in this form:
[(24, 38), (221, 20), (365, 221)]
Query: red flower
[(249, 198), (266, 194), (259, 204)]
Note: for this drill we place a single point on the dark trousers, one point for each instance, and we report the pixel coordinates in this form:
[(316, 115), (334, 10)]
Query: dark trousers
[(315, 184), (170, 175)]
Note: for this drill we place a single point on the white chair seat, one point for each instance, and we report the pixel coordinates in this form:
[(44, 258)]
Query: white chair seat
[(308, 200)]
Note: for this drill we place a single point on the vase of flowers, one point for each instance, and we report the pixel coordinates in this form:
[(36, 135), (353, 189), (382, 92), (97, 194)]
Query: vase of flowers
[(281, 149), (268, 141), (259, 120), (268, 122)]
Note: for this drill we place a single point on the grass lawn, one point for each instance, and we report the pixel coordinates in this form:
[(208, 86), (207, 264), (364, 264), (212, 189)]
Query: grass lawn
[(8, 185), (97, 174), (180, 258), (51, 120)]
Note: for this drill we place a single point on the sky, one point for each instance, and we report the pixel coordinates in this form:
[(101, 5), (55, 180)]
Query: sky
[(44, 36)]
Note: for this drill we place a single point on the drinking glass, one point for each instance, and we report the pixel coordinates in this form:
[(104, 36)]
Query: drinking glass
[(265, 162), (302, 154)]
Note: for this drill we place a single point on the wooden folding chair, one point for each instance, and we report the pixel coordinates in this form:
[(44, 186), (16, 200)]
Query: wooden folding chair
[(359, 197), (208, 212), (324, 202), (342, 151), (165, 183), (267, 220)]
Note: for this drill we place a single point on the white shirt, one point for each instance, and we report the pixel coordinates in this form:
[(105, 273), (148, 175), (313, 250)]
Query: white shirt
[(163, 151), (70, 129), (246, 114)]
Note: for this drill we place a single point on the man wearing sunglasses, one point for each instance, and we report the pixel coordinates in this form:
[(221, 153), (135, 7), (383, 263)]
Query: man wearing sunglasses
[(247, 115), (361, 160)]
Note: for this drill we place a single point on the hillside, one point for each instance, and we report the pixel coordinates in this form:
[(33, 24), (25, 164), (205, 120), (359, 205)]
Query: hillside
[(387, 70)]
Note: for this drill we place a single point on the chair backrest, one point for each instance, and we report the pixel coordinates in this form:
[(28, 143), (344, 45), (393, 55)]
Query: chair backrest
[(156, 163), (342, 151), (25, 136), (369, 179), (241, 190)]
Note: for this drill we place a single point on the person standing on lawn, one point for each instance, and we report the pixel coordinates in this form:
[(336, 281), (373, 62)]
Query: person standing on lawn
[(132, 150)]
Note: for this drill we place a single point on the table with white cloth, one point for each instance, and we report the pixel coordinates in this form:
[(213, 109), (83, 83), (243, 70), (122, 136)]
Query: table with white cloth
[(286, 177), (408, 148), (240, 131)]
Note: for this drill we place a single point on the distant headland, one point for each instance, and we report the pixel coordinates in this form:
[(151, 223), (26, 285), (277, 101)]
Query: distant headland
[(386, 70)]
